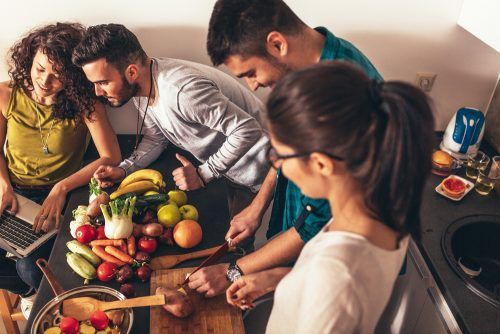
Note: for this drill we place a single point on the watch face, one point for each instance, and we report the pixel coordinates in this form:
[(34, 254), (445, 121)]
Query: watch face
[(233, 274)]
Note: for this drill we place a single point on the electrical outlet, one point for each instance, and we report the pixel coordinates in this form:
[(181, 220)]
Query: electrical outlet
[(425, 80)]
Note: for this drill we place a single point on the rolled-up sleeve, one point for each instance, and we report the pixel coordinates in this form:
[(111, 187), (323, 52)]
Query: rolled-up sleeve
[(152, 145), (202, 102)]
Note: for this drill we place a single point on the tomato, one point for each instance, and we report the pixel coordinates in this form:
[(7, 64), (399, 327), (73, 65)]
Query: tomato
[(69, 325), (100, 233), (85, 234), (99, 320), (106, 271), (147, 245)]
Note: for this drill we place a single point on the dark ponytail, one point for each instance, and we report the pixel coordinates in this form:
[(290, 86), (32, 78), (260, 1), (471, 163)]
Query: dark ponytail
[(383, 131)]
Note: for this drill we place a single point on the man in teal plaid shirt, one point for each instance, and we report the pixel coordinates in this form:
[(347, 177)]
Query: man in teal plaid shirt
[(261, 41)]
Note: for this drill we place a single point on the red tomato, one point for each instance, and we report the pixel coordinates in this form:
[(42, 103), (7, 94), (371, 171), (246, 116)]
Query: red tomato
[(99, 320), (85, 234), (69, 325), (106, 271), (100, 233), (147, 244)]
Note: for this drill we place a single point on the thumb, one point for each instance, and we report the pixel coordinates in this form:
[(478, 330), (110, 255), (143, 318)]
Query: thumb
[(185, 162)]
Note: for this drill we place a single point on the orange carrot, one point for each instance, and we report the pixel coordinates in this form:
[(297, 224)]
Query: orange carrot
[(99, 251), (123, 247), (131, 245), (107, 242), (122, 256)]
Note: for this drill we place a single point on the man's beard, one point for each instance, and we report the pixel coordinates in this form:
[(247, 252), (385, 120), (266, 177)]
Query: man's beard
[(127, 92)]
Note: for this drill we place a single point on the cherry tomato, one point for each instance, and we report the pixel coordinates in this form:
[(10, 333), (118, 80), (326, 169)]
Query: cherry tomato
[(106, 271), (99, 320), (85, 234), (100, 233), (69, 325), (147, 244)]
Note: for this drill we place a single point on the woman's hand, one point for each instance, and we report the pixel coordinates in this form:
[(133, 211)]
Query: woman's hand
[(8, 199), (51, 209), (247, 288)]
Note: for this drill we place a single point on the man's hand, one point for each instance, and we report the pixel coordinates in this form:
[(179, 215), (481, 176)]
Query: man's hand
[(186, 177), (244, 225), (211, 280), (106, 176)]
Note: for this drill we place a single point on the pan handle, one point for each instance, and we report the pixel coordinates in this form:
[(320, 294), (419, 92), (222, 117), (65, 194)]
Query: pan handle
[(49, 275)]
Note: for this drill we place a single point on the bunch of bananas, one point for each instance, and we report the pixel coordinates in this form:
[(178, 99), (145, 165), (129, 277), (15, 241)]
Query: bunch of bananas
[(140, 182)]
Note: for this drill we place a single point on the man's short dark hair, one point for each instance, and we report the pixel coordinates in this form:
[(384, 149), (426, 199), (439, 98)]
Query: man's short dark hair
[(114, 42), (240, 27)]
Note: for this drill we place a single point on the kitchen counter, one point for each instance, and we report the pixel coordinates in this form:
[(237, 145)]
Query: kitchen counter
[(211, 203), (473, 314)]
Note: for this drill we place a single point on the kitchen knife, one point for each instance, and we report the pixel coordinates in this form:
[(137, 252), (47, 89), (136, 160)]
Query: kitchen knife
[(223, 250)]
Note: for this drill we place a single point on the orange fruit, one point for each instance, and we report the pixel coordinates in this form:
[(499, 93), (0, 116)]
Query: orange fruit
[(187, 233)]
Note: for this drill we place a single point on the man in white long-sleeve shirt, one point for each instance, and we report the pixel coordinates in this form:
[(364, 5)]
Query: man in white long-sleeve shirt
[(196, 107)]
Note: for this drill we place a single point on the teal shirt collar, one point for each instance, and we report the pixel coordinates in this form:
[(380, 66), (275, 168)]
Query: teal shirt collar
[(331, 44)]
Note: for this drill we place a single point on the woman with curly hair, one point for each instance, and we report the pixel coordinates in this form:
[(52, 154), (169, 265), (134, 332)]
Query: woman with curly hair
[(48, 108)]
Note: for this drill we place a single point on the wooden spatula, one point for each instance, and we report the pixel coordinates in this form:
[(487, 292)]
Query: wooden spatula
[(169, 261), (82, 308)]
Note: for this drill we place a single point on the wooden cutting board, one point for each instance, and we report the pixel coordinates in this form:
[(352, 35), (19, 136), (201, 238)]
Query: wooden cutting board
[(211, 315)]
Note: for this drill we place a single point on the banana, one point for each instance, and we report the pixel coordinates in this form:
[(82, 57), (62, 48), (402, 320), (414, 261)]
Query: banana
[(139, 187), (85, 251), (151, 175), (81, 266)]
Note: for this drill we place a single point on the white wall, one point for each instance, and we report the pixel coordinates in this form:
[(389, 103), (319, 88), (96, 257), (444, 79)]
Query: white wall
[(400, 37)]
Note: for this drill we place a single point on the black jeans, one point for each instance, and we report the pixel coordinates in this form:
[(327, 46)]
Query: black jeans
[(22, 276)]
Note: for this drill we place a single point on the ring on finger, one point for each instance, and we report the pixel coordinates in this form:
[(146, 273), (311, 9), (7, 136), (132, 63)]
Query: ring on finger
[(43, 217)]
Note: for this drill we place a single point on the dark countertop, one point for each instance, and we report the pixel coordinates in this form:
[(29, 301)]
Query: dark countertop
[(473, 314), (214, 219)]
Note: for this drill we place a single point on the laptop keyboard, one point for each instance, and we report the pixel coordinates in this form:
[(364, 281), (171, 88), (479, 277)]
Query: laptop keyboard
[(17, 231)]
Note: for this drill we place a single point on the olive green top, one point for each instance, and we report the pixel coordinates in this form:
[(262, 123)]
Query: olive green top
[(27, 162)]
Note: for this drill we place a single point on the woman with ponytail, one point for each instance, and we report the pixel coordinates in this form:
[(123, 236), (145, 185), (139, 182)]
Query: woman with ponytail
[(365, 146)]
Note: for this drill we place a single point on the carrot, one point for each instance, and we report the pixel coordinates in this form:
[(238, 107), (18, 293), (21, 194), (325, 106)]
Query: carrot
[(122, 256), (107, 242), (99, 251), (123, 247), (131, 245)]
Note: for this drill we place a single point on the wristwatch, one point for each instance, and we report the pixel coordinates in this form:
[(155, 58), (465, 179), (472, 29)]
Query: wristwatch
[(233, 272)]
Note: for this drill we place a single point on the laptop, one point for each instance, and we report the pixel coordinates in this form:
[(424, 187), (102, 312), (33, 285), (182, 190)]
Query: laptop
[(16, 231)]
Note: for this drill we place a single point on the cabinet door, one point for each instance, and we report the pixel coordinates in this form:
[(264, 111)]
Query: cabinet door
[(429, 320), (407, 300)]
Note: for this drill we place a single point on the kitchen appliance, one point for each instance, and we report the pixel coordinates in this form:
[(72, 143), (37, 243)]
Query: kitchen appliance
[(464, 133)]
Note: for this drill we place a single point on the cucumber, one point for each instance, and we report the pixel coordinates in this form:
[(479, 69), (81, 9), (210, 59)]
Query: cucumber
[(85, 251), (81, 266), (151, 200)]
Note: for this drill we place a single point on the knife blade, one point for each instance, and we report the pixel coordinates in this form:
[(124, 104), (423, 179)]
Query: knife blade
[(223, 250)]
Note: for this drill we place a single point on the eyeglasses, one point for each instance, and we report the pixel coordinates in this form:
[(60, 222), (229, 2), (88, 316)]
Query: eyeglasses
[(274, 157)]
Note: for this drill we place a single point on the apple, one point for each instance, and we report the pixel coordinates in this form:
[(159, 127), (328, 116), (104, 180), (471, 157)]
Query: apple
[(188, 212), (169, 215), (163, 204), (178, 196)]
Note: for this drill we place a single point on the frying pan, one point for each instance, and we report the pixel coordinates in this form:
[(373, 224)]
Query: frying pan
[(51, 314)]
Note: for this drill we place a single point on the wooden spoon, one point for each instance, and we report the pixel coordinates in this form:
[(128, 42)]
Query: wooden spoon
[(82, 308), (169, 261)]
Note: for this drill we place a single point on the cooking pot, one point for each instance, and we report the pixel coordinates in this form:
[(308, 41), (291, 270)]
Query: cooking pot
[(51, 314)]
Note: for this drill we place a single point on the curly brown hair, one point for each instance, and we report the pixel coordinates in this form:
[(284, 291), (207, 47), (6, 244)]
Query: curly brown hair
[(57, 41)]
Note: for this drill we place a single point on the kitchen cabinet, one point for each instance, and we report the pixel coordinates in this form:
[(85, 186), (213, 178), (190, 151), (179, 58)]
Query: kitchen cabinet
[(416, 305)]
